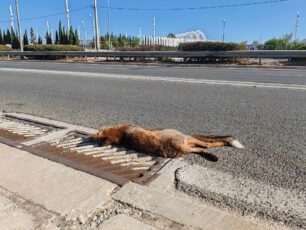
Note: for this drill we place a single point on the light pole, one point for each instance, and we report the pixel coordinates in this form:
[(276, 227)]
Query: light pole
[(84, 34), (94, 30), (19, 26), (67, 15), (109, 35), (223, 34), (140, 35), (96, 26), (297, 26), (11, 18), (154, 31)]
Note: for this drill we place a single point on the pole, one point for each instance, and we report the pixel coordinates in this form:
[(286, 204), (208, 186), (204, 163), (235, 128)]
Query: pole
[(94, 33), (67, 15), (297, 26), (48, 27), (109, 35), (84, 33), (140, 36), (19, 26), (11, 18), (154, 31), (223, 34), (96, 26)]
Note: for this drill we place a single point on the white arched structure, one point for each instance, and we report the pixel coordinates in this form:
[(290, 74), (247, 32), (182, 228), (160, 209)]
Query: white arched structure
[(191, 36)]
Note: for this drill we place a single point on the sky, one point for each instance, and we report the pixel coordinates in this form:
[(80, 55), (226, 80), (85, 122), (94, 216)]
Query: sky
[(244, 23)]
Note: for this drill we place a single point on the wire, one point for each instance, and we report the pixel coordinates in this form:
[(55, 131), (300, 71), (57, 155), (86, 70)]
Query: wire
[(196, 8), (50, 15), (155, 9)]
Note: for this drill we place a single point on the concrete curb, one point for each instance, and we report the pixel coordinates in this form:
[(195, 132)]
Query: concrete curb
[(179, 210)]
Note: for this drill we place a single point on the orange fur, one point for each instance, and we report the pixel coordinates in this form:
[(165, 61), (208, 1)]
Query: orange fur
[(168, 143)]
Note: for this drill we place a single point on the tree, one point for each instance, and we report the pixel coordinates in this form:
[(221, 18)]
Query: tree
[(76, 40), (14, 40), (65, 38), (60, 33), (281, 43), (71, 35), (39, 40), (171, 35), (1, 38), (32, 36), (25, 38), (56, 38), (48, 38), (7, 37)]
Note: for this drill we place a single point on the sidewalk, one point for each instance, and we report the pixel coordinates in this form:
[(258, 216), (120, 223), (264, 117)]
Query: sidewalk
[(36, 193)]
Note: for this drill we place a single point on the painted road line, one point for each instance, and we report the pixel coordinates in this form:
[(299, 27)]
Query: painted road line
[(165, 79)]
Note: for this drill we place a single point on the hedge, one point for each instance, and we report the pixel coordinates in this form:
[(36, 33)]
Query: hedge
[(5, 48), (302, 47), (52, 48), (211, 46), (148, 48)]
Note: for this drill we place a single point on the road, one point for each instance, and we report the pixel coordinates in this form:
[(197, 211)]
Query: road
[(270, 122)]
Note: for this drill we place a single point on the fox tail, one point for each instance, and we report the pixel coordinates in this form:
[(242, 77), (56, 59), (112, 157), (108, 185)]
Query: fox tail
[(227, 140)]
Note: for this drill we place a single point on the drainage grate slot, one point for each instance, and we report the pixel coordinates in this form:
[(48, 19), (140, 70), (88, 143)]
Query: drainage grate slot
[(124, 164), (21, 130)]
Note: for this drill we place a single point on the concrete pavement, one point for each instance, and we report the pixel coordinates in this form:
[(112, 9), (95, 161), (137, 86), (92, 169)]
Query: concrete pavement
[(36, 193)]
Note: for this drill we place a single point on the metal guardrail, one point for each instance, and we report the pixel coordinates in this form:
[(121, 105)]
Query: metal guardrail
[(157, 54)]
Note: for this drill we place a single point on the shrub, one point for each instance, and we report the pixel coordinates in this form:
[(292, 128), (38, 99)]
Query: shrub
[(148, 48), (52, 48), (5, 48), (211, 46), (302, 47)]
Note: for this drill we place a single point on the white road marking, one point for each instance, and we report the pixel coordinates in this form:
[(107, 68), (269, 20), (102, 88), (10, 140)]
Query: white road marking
[(165, 79)]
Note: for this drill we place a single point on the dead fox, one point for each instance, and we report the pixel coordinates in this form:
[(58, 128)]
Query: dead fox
[(168, 143)]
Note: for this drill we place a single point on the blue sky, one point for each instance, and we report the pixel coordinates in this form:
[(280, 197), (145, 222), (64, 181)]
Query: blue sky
[(246, 23)]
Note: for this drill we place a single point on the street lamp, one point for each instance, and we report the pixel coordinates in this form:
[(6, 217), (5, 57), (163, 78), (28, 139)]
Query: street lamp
[(84, 34), (109, 36), (223, 34), (94, 30)]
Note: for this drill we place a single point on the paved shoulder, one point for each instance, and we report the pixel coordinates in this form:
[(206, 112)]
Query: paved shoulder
[(246, 194)]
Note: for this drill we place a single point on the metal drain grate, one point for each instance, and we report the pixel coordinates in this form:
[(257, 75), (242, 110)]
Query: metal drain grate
[(110, 162), (20, 130), (72, 148)]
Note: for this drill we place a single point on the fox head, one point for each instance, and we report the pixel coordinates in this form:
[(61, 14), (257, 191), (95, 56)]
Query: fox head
[(109, 135)]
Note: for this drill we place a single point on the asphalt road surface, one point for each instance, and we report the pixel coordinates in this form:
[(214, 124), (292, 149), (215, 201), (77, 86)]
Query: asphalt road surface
[(270, 122)]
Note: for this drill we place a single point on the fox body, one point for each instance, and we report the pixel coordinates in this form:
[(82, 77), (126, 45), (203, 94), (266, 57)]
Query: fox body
[(168, 143)]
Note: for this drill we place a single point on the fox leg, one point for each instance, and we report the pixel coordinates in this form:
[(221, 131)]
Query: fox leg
[(195, 142), (208, 156)]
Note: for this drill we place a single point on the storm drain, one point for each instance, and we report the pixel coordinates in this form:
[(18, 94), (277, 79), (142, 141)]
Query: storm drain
[(20, 130), (69, 145), (114, 163)]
